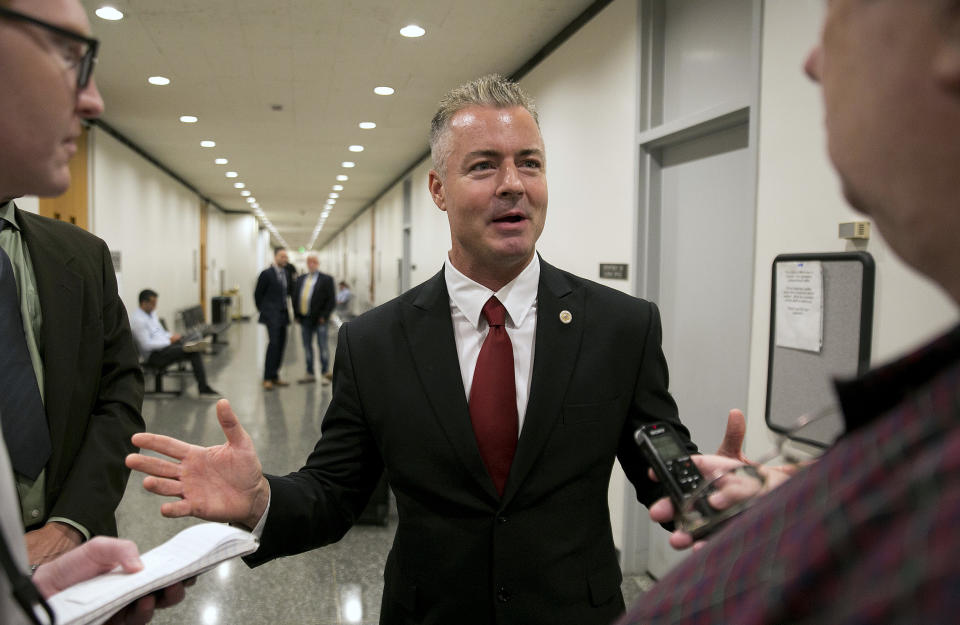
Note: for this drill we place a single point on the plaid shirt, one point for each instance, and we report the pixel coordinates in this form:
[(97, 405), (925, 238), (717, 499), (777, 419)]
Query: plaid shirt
[(869, 534)]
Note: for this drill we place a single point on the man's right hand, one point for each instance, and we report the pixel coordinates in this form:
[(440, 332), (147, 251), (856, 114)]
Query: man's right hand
[(219, 483), (175, 338)]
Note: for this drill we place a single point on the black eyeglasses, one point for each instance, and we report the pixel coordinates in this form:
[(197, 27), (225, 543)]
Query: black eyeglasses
[(82, 59)]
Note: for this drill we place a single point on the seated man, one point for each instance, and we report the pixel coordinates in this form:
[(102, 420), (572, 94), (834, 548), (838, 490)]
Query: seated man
[(159, 348)]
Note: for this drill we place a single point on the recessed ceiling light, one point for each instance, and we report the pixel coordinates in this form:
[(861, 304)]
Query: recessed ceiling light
[(368, 125), (238, 185), (221, 161), (334, 196), (188, 119), (231, 174), (245, 192), (383, 90), (348, 164), (412, 30), (338, 187), (255, 205), (331, 202), (208, 144), (109, 13), (356, 148), (343, 177), (158, 80), (251, 200)]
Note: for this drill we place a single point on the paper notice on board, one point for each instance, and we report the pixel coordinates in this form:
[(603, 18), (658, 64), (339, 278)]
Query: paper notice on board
[(799, 307)]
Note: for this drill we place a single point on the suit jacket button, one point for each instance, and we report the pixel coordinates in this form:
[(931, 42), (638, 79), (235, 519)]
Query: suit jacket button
[(501, 520), (503, 595)]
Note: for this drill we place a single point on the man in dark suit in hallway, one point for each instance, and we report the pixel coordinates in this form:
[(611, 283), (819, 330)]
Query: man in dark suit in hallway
[(313, 301), (78, 382), (271, 295), (496, 396)]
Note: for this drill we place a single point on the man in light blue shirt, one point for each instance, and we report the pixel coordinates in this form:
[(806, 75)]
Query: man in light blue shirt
[(158, 348)]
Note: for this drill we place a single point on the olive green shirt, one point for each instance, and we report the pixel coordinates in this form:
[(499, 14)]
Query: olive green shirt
[(31, 492)]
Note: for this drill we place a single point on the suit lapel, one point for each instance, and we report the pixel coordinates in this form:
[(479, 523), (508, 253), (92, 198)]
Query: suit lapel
[(60, 290), (429, 330), (555, 349)]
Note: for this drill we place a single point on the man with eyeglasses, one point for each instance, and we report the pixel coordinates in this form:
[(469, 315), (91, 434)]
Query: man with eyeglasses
[(70, 386)]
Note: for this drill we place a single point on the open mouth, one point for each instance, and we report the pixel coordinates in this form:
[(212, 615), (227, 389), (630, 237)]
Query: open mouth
[(509, 219)]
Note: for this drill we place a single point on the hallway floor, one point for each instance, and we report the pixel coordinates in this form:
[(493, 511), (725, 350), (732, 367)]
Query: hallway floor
[(336, 585)]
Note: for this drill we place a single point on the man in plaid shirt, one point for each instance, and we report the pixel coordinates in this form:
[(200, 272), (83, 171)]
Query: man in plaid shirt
[(869, 533)]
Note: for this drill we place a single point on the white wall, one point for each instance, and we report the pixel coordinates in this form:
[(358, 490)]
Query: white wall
[(152, 220), (430, 234), (799, 205), (231, 248)]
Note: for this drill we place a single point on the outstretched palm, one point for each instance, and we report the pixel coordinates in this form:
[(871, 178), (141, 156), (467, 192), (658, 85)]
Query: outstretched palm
[(220, 483)]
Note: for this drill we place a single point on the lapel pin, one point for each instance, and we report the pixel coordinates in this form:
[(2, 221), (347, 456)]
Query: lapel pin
[(565, 316)]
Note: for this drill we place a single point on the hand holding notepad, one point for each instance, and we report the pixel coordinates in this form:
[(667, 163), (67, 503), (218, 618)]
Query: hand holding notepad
[(189, 553)]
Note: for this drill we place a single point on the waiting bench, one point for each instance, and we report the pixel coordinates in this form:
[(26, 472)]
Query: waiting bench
[(194, 323)]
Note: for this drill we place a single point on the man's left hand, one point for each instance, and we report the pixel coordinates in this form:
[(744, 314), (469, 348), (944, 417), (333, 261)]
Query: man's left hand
[(101, 555), (50, 541)]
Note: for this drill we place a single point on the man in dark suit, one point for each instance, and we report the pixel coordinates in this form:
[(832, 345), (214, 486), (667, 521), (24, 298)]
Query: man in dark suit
[(271, 295), (79, 357), (70, 387), (496, 397), (313, 301)]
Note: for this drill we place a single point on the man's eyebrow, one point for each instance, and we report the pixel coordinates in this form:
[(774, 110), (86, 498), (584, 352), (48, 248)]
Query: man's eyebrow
[(497, 154), (479, 153), (531, 152)]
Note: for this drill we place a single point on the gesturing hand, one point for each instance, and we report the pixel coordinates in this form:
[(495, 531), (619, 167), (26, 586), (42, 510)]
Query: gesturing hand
[(729, 456), (219, 483)]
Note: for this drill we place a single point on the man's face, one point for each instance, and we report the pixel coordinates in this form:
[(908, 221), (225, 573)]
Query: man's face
[(494, 190), (891, 116), (40, 107), (149, 306), (313, 264), (281, 258)]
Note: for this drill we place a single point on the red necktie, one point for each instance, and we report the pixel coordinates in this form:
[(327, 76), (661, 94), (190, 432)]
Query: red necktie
[(493, 397)]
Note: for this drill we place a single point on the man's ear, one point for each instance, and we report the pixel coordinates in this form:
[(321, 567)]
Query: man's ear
[(435, 184), (947, 59)]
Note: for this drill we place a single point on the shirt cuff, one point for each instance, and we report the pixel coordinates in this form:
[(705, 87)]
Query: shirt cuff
[(73, 524), (258, 530)]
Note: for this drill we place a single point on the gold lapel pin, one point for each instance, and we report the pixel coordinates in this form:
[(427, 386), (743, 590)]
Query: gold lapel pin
[(565, 316)]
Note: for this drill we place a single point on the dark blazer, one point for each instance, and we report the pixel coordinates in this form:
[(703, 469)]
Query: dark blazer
[(271, 298), (93, 386), (322, 301), (544, 552)]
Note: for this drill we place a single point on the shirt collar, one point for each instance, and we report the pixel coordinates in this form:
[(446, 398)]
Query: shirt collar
[(518, 296), (8, 213), (865, 398)]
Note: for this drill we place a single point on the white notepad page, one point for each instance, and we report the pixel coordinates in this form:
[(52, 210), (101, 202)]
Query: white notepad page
[(191, 552)]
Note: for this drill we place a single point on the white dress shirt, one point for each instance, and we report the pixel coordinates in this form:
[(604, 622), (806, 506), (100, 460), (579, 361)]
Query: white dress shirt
[(519, 297), (148, 332)]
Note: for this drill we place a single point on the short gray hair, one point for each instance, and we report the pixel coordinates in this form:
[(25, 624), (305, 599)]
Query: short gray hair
[(491, 90)]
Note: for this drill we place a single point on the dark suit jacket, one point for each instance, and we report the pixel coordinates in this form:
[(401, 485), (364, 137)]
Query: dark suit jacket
[(93, 386), (322, 301), (544, 552), (271, 298)]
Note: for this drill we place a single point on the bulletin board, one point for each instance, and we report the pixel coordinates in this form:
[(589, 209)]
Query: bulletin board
[(800, 379)]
